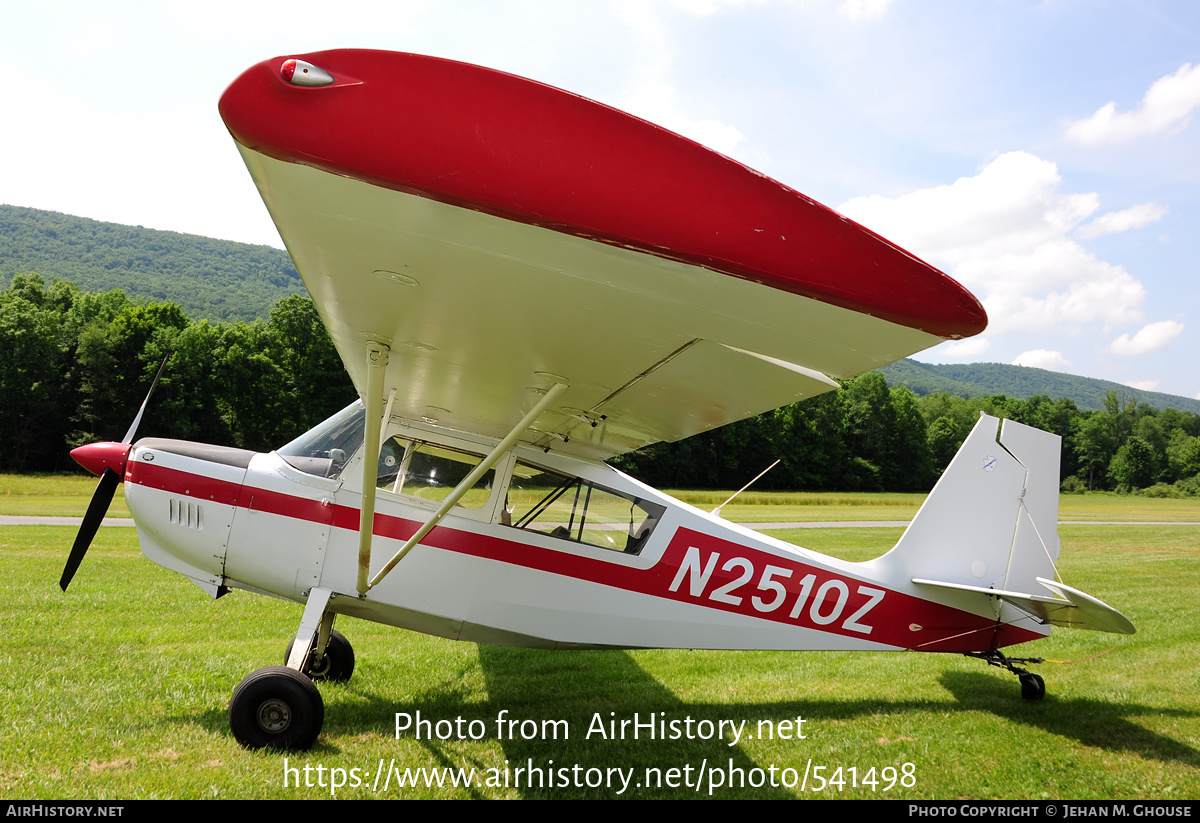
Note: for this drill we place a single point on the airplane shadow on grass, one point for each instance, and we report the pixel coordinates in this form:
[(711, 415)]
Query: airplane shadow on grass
[(594, 691), (577, 687)]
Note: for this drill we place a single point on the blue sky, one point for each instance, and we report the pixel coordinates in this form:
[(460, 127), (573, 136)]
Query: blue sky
[(1046, 154)]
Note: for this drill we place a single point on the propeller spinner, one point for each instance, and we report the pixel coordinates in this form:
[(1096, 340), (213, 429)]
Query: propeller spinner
[(108, 461)]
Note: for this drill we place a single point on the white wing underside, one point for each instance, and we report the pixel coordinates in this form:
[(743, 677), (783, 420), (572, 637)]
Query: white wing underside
[(482, 314)]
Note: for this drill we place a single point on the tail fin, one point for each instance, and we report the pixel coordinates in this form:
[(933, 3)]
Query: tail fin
[(990, 528)]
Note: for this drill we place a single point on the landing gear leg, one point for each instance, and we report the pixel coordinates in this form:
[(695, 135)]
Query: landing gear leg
[(279, 707), (336, 665), (1032, 685)]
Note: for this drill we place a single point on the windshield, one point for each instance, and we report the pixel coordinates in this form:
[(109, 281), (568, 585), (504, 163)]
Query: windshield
[(325, 450)]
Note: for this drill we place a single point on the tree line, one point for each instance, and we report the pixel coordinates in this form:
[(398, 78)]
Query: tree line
[(866, 436), (77, 365)]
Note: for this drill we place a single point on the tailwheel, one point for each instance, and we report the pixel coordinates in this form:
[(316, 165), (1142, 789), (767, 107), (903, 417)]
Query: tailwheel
[(336, 665), (1032, 686), (276, 708)]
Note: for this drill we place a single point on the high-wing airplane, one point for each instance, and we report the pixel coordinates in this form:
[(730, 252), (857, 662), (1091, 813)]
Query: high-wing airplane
[(522, 283)]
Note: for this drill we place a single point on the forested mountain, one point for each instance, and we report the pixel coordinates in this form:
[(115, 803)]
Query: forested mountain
[(247, 368), (219, 280), (212, 279), (987, 379)]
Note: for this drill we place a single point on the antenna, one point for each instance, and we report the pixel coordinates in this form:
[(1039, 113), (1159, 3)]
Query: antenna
[(717, 510)]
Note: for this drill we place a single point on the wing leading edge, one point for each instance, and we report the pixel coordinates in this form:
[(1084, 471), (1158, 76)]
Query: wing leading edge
[(501, 236)]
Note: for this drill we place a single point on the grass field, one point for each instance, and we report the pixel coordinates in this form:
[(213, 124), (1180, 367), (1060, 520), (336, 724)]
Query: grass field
[(53, 495), (119, 689)]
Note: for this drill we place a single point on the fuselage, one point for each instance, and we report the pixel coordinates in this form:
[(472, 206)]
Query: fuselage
[(227, 518)]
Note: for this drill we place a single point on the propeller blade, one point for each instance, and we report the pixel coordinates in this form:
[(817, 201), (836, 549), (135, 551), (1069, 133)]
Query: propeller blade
[(137, 420), (96, 510), (92, 457)]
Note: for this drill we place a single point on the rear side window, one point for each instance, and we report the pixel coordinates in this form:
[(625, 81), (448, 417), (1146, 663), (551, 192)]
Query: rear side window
[(571, 508)]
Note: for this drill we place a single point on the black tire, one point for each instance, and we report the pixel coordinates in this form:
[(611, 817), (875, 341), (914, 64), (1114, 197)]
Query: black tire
[(336, 665), (276, 708), (1032, 686)]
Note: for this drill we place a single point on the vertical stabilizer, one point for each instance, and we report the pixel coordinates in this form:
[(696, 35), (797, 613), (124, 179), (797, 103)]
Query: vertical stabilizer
[(991, 522)]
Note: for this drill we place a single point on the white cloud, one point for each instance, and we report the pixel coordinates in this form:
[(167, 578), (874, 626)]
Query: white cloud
[(1042, 359), (130, 172), (703, 8), (863, 11), (1011, 203), (1144, 385), (970, 349), (656, 102), (1110, 298), (1118, 221), (1167, 103), (1005, 235), (655, 98), (1152, 337)]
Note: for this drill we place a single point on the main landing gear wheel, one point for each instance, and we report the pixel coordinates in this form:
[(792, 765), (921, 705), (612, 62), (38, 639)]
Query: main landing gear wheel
[(276, 708), (1032, 686), (336, 665)]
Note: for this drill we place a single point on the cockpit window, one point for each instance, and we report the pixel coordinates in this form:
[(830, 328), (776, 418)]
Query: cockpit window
[(574, 509), (431, 472), (325, 450)]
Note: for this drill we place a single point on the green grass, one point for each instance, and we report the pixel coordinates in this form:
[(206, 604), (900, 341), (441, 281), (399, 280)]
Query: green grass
[(119, 688), (1125, 507), (53, 495), (770, 507)]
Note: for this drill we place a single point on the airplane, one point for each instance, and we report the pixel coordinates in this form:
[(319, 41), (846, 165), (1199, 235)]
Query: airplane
[(523, 283)]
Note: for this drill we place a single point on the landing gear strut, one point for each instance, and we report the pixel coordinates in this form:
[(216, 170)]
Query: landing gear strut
[(336, 665), (1032, 685), (279, 707)]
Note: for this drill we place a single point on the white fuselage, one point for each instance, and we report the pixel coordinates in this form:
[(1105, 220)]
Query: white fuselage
[(697, 582)]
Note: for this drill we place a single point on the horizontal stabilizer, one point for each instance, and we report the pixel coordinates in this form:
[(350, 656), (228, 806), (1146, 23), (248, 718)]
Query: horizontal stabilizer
[(1071, 608), (1086, 612)]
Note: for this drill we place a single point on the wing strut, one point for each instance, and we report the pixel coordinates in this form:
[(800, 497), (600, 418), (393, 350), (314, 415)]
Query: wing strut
[(377, 360), (469, 481)]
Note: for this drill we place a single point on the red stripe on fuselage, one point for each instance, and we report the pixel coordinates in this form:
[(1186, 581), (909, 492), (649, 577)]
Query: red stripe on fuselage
[(197, 486), (717, 573)]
